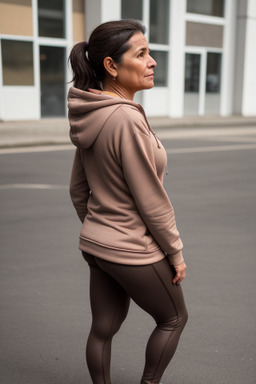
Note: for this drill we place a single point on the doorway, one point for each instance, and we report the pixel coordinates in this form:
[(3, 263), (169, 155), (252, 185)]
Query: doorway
[(202, 87), (52, 81)]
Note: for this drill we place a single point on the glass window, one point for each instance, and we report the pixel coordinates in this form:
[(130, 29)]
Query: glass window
[(206, 7), (161, 77), (213, 78), (51, 18), (17, 59), (192, 81), (52, 75), (132, 9), (159, 21)]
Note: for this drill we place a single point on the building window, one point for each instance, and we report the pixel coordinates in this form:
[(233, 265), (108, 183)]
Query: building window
[(159, 22), (213, 78), (160, 78), (132, 9), (206, 7), (51, 18), (17, 62), (213, 72), (52, 81), (192, 83), (202, 97)]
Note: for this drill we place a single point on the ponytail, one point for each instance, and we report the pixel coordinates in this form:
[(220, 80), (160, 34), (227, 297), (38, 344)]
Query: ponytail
[(83, 74), (108, 39)]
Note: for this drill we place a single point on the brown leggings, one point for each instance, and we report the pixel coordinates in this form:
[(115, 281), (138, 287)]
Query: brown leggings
[(150, 286)]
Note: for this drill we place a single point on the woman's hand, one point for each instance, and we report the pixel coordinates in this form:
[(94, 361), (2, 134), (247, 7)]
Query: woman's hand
[(180, 270)]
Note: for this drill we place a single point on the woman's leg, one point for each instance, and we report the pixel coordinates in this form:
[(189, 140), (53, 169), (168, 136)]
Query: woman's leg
[(151, 287), (109, 305)]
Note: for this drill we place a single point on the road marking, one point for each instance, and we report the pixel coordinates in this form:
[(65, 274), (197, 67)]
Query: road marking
[(33, 186), (217, 148), (48, 148), (204, 132), (240, 140), (213, 148)]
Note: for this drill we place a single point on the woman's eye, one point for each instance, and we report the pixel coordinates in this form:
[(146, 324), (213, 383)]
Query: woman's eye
[(141, 54)]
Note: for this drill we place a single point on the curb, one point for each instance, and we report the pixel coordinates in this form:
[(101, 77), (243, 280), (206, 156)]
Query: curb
[(48, 132)]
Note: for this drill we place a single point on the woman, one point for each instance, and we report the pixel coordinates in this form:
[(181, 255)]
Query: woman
[(129, 236)]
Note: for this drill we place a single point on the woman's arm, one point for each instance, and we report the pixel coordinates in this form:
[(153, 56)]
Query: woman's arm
[(152, 201), (79, 188)]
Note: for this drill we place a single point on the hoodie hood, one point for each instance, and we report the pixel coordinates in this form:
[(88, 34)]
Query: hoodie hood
[(84, 118)]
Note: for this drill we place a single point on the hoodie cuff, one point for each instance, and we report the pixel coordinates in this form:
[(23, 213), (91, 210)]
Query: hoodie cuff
[(176, 258)]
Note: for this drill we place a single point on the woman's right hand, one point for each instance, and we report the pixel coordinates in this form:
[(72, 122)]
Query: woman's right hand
[(180, 270)]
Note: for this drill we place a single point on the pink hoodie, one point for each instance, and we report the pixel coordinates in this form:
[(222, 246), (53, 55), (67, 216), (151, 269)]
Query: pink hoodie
[(117, 182)]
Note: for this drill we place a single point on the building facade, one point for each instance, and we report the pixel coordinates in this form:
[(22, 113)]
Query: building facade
[(204, 50)]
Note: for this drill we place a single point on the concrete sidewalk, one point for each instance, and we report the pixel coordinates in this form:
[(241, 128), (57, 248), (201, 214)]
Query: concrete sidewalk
[(56, 131)]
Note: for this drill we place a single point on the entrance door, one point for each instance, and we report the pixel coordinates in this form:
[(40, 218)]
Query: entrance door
[(202, 83), (212, 86), (192, 83), (52, 80)]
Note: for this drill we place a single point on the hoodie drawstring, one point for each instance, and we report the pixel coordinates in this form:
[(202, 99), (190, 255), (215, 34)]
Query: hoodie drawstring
[(154, 134), (149, 127)]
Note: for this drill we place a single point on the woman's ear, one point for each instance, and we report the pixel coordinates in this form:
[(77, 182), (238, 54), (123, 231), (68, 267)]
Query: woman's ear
[(110, 66)]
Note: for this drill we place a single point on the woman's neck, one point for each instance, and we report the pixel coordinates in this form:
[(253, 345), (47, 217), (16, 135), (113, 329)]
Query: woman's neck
[(113, 89), (108, 93)]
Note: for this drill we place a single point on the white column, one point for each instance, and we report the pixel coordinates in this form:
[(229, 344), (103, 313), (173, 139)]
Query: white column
[(245, 76), (36, 59), (1, 84), (69, 21), (249, 96), (202, 84), (176, 64), (228, 59), (100, 11), (69, 39)]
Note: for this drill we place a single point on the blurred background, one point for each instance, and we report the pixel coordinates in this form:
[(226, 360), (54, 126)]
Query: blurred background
[(205, 50), (203, 108)]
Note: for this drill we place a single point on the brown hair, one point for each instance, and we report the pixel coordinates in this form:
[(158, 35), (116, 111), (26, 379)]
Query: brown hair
[(108, 39)]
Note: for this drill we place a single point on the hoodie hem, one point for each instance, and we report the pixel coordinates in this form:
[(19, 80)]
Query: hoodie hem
[(121, 256)]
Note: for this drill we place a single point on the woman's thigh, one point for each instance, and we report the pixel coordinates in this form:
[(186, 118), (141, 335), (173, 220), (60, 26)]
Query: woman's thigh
[(109, 300), (150, 286)]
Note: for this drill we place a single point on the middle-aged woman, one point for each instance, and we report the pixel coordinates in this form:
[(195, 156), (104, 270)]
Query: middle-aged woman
[(128, 236)]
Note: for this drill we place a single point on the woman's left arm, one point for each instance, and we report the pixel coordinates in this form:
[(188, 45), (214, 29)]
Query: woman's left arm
[(79, 188), (152, 201)]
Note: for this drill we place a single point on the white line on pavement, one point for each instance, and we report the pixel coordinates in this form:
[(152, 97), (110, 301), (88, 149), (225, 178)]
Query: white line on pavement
[(230, 147), (234, 139), (33, 186), (207, 132), (48, 148), (217, 148)]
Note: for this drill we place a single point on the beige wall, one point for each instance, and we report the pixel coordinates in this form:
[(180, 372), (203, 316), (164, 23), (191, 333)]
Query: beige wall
[(16, 17), (204, 35), (78, 20)]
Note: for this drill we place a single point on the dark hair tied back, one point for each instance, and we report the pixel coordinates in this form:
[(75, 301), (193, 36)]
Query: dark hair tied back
[(108, 39)]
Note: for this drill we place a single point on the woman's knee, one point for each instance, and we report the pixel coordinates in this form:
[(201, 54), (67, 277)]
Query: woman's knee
[(176, 323), (104, 329)]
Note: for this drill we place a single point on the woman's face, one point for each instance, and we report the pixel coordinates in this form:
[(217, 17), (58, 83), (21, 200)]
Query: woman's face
[(136, 71)]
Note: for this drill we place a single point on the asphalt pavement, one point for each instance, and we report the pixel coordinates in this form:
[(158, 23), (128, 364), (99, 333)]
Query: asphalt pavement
[(44, 308)]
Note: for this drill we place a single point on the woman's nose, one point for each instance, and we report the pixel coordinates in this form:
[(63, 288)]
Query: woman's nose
[(153, 63)]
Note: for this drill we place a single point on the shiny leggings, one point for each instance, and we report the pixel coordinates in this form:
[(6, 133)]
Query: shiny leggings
[(150, 286)]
